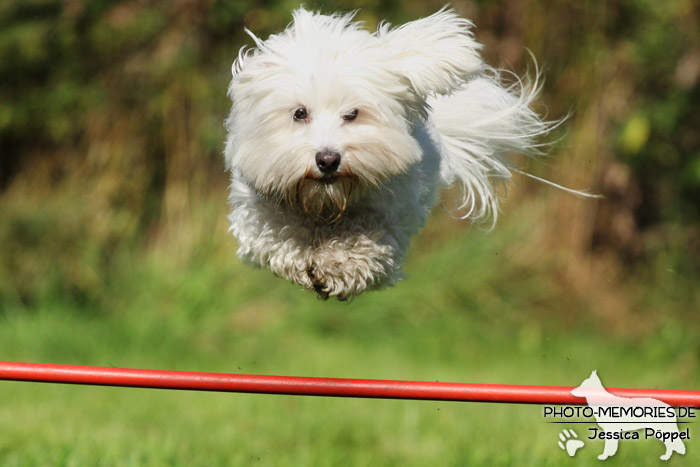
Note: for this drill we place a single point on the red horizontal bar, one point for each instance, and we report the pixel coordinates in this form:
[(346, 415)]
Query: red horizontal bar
[(336, 387)]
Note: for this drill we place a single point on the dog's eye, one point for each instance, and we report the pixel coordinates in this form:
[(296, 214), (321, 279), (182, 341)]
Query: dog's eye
[(300, 114), (349, 117)]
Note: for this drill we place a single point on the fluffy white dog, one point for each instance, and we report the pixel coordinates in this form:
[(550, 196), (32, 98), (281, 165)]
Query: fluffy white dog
[(339, 139)]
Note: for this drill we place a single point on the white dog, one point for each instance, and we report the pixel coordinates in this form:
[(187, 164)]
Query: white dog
[(339, 139)]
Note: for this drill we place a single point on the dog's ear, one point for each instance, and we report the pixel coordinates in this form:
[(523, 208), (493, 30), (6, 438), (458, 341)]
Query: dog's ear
[(435, 54), (252, 60)]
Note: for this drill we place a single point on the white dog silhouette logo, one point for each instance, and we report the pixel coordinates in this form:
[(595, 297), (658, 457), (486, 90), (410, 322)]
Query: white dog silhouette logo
[(620, 417)]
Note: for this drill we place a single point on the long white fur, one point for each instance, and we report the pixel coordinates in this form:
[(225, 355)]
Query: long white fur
[(430, 115)]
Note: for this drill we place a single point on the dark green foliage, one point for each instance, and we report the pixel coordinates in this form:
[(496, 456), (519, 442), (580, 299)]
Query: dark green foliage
[(111, 114), (659, 138)]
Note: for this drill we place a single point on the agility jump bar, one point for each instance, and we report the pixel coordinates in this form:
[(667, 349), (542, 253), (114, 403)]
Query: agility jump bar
[(328, 387)]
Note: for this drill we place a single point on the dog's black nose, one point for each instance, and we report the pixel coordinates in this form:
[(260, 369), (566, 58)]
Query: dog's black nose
[(327, 161)]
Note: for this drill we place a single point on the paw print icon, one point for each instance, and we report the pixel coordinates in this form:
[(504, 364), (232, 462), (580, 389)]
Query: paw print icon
[(569, 442)]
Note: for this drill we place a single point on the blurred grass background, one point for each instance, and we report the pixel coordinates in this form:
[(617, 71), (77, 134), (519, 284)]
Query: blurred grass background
[(114, 249)]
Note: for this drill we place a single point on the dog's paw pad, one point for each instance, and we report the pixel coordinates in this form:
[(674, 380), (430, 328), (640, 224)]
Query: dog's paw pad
[(569, 442)]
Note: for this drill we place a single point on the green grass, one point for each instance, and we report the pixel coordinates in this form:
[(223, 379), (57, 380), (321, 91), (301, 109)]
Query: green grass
[(475, 308)]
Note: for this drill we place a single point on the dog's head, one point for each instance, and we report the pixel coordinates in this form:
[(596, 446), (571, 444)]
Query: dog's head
[(326, 109), (589, 386)]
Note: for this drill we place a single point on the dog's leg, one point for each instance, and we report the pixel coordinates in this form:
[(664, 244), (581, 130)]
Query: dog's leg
[(285, 253), (675, 445), (270, 236), (345, 263), (669, 450), (292, 263), (610, 449)]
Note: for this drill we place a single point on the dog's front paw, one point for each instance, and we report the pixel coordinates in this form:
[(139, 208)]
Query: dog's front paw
[(345, 272), (291, 265), (317, 284), (341, 280)]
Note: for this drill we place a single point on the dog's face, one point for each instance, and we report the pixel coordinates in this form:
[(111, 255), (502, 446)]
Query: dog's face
[(325, 109)]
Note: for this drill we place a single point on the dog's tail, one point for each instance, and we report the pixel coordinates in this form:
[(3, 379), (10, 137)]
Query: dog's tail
[(479, 126)]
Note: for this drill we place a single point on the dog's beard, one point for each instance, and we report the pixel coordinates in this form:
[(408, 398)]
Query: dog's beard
[(324, 199)]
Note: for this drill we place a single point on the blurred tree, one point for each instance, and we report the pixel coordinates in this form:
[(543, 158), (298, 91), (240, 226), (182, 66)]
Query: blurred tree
[(111, 117), (657, 48)]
